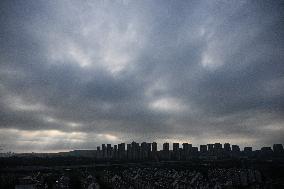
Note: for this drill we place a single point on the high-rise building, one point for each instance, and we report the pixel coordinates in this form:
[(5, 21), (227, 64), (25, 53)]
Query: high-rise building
[(154, 147), (248, 149), (144, 150), (121, 147), (166, 151), (194, 151), (135, 150), (210, 148), (266, 150), (176, 151), (278, 148), (121, 150), (109, 150), (104, 150), (115, 151), (128, 147), (235, 149), (185, 151), (185, 147), (149, 148), (129, 151), (144, 146), (227, 147), (217, 146), (203, 149), (166, 146), (175, 147)]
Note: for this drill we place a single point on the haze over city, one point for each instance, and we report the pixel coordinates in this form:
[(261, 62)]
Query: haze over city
[(76, 74)]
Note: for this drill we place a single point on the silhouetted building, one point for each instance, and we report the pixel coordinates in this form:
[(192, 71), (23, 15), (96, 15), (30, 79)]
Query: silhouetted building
[(175, 147), (217, 146), (154, 147), (278, 148), (135, 150), (121, 150), (210, 148), (266, 151), (203, 149), (176, 154), (144, 150), (149, 147), (166, 151), (104, 150), (218, 149), (194, 151), (109, 150), (121, 147), (166, 146), (129, 151), (235, 149), (248, 149), (185, 147), (227, 147), (115, 152)]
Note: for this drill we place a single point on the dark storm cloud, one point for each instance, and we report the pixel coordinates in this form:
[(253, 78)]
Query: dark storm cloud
[(74, 74)]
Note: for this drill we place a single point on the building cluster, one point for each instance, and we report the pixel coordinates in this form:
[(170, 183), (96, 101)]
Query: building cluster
[(166, 178), (149, 151)]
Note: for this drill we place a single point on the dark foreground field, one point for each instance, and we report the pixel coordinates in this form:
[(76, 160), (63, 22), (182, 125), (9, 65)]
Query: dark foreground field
[(77, 173)]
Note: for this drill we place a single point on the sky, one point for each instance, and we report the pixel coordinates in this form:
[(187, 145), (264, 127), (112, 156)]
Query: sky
[(76, 74)]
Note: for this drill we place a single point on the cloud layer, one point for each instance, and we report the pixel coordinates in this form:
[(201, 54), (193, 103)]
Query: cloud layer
[(77, 74)]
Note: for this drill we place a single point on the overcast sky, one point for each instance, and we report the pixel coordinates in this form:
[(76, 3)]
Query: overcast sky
[(76, 74)]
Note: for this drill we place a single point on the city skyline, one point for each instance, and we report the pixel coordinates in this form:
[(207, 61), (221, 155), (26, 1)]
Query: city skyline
[(143, 166), (175, 146), (76, 74)]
